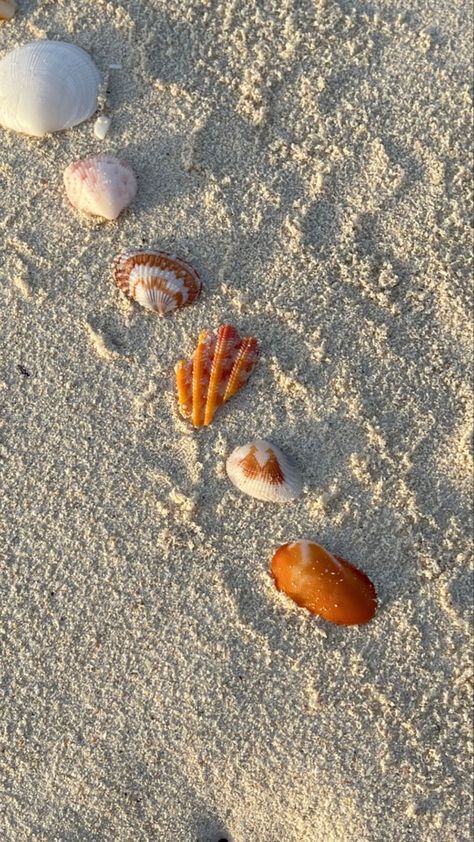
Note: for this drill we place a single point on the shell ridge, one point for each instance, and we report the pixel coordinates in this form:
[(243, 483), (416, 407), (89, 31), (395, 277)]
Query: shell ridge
[(202, 366), (243, 366), (184, 380), (228, 341)]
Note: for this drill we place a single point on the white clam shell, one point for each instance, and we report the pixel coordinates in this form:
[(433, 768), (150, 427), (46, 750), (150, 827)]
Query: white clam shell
[(47, 86), (101, 185), (261, 470)]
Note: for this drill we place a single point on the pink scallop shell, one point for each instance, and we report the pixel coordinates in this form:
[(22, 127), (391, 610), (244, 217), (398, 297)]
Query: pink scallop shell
[(101, 185)]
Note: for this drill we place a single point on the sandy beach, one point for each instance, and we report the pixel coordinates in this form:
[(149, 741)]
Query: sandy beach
[(311, 158)]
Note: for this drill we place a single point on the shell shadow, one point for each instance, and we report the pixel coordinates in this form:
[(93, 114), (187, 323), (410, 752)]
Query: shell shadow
[(78, 836), (210, 829), (77, 831), (437, 498), (321, 226), (461, 589), (412, 166), (368, 245), (344, 80), (161, 177)]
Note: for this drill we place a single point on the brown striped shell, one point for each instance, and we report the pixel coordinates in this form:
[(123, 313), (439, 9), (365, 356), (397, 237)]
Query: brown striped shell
[(157, 280)]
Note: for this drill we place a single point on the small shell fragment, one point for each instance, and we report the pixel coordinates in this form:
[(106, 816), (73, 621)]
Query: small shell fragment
[(7, 9), (102, 126), (101, 185), (325, 584), (261, 470), (157, 280), (221, 365)]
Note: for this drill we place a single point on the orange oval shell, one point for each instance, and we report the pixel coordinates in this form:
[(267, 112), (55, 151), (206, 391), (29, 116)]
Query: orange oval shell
[(325, 584)]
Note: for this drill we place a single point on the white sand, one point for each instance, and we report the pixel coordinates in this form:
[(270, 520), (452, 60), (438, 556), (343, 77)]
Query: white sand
[(312, 162)]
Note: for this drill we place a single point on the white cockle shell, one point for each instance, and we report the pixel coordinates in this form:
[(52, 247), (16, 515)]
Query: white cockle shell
[(47, 86), (101, 185), (261, 470)]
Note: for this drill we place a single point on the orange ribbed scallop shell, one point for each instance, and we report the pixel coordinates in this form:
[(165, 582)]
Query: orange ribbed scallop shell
[(323, 583), (221, 364)]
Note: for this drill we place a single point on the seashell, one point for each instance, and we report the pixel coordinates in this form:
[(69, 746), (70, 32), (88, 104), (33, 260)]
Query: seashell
[(7, 9), (47, 86), (101, 185), (261, 470), (221, 364), (102, 126), (157, 280), (323, 583)]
